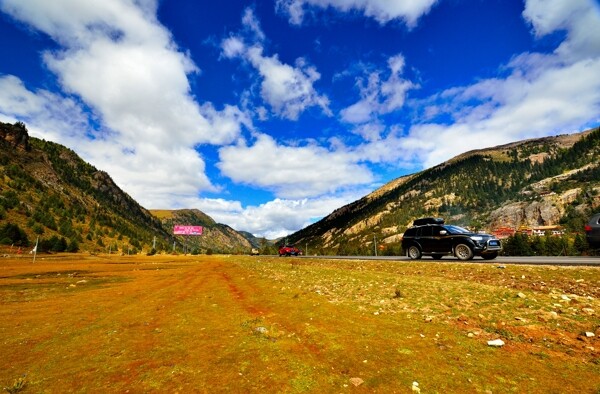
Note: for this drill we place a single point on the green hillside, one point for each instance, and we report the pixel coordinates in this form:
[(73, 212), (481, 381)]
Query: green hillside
[(478, 190), (48, 192)]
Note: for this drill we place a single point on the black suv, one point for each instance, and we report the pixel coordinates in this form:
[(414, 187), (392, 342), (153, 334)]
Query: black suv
[(592, 231), (431, 237)]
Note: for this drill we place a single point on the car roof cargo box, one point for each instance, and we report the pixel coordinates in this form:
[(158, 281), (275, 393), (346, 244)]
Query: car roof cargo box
[(423, 221)]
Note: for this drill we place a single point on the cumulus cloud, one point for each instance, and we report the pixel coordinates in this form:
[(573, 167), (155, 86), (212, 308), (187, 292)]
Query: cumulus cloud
[(300, 171), (279, 217), (579, 18), (382, 11), (379, 97), (117, 59), (47, 114), (289, 90)]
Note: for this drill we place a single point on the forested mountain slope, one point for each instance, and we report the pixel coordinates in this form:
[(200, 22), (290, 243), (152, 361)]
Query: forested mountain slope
[(48, 192), (545, 181)]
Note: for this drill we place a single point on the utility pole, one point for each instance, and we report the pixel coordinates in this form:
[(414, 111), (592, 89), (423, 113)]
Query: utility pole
[(375, 244)]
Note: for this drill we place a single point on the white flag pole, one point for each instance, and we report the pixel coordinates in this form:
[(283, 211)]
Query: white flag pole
[(35, 248)]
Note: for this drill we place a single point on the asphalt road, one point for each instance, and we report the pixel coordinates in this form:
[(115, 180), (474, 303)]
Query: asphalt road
[(501, 260)]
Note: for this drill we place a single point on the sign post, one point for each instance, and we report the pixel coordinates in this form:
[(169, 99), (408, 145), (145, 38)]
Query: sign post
[(186, 231)]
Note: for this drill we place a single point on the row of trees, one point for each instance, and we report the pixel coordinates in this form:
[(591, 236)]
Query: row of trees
[(12, 234), (547, 245)]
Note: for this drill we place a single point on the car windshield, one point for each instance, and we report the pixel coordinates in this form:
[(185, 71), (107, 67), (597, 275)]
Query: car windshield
[(455, 229)]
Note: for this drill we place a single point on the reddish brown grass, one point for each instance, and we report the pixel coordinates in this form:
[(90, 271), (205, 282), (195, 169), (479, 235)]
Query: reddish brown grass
[(240, 324)]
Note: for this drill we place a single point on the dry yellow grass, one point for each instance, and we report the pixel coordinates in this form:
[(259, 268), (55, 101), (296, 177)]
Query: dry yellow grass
[(245, 324)]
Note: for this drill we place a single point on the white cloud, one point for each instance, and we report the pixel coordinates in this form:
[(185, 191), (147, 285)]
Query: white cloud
[(252, 24), (543, 101), (124, 65), (153, 175), (47, 115), (578, 17), (289, 90), (291, 172), (233, 47), (382, 11), (379, 97), (279, 217)]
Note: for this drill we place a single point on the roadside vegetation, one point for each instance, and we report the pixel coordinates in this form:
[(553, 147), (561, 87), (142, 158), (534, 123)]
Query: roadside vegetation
[(74, 323)]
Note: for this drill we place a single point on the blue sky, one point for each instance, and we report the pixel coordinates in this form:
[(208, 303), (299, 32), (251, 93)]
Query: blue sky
[(269, 115)]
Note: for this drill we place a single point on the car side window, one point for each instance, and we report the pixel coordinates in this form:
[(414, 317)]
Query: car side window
[(424, 231)]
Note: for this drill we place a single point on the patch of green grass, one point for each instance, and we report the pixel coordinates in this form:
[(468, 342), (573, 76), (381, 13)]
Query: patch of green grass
[(17, 386), (48, 274), (41, 289)]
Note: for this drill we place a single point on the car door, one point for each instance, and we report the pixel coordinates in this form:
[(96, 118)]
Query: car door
[(441, 241), (425, 239)]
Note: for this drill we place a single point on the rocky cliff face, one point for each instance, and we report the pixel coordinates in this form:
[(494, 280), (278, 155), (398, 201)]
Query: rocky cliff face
[(15, 136), (548, 211)]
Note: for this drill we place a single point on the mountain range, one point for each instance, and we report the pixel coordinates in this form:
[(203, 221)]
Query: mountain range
[(48, 192)]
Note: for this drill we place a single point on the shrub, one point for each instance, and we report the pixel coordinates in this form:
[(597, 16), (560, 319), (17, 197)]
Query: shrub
[(12, 234), (73, 246), (60, 245)]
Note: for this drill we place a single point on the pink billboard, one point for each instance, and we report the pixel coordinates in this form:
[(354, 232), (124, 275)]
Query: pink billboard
[(187, 230)]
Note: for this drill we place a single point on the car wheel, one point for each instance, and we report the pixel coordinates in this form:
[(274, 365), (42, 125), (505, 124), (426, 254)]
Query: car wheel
[(490, 256), (437, 256), (414, 252), (463, 252)]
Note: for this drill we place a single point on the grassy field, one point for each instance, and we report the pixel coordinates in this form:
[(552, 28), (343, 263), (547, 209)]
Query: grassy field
[(181, 324)]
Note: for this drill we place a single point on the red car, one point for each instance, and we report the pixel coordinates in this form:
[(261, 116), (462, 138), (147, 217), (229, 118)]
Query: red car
[(289, 250)]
